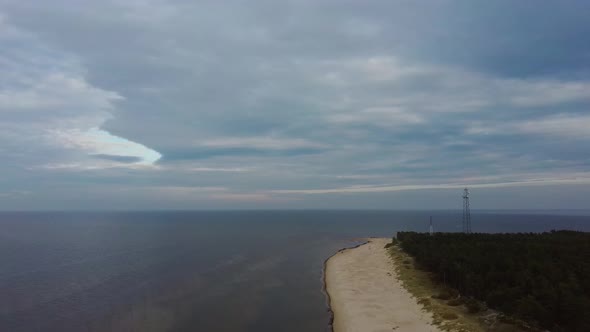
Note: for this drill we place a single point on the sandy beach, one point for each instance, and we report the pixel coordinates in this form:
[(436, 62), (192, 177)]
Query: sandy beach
[(366, 296)]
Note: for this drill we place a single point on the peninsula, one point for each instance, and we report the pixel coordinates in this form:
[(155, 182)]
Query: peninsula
[(365, 294), (462, 282)]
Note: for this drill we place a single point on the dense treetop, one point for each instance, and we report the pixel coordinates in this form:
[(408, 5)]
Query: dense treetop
[(541, 278)]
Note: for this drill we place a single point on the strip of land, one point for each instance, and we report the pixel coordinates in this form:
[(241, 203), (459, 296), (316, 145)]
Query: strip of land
[(365, 294)]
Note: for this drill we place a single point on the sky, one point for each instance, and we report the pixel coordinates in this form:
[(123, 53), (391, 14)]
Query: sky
[(319, 104)]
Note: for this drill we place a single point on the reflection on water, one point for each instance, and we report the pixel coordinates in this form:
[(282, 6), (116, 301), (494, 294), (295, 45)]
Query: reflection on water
[(193, 271)]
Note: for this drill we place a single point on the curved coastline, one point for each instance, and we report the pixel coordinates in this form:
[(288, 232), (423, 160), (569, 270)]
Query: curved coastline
[(364, 293), (325, 286)]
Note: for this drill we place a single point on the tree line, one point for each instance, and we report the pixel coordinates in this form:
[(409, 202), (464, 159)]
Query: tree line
[(541, 278)]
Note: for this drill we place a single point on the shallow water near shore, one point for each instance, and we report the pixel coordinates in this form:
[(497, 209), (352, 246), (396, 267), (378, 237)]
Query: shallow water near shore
[(196, 271)]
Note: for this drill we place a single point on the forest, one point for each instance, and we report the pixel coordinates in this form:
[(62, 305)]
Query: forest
[(540, 278)]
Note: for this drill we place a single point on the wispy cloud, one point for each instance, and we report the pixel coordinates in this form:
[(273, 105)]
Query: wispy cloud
[(264, 142), (246, 197), (219, 169), (564, 125), (572, 126), (94, 166), (393, 188)]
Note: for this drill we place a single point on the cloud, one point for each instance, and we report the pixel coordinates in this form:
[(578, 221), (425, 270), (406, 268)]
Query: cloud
[(55, 94), (384, 116), (270, 143), (48, 105), (12, 194), (547, 92), (96, 166), (220, 169), (121, 159), (99, 142), (262, 97), (563, 125), (246, 197), (394, 188)]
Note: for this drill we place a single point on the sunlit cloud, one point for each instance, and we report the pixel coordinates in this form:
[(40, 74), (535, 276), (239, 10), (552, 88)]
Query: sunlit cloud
[(97, 141)]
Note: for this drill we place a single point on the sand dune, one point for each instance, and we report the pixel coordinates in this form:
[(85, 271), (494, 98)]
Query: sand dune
[(366, 296)]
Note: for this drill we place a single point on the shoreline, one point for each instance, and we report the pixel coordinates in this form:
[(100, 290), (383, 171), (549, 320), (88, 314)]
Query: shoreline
[(325, 285), (363, 292)]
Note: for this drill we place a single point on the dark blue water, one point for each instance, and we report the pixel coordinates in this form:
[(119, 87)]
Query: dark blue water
[(195, 271)]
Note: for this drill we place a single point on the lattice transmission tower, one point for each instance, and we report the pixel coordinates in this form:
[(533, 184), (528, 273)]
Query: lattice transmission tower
[(466, 212)]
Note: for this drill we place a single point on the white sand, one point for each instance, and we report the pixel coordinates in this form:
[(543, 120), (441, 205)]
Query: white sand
[(366, 296)]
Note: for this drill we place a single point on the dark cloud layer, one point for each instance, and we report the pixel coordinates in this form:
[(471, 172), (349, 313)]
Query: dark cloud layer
[(121, 159), (265, 104)]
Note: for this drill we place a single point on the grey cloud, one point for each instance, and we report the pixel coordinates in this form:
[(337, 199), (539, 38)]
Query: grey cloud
[(306, 95), (121, 159)]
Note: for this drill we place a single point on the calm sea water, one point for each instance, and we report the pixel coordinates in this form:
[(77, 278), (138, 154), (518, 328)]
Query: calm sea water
[(195, 271)]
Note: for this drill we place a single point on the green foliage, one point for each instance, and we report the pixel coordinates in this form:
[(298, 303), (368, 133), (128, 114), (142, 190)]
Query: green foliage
[(474, 306), (442, 296), (449, 316), (424, 301), (446, 294), (540, 278), (392, 243), (455, 302)]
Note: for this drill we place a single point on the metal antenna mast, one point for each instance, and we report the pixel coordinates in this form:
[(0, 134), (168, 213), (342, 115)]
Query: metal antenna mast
[(466, 212)]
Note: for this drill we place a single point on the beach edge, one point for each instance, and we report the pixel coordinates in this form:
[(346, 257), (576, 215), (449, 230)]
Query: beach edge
[(364, 292), (330, 327)]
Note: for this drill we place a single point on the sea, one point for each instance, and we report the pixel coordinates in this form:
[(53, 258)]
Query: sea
[(199, 270)]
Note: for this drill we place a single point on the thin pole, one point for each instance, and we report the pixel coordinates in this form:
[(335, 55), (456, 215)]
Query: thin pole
[(466, 212)]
